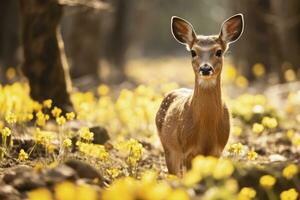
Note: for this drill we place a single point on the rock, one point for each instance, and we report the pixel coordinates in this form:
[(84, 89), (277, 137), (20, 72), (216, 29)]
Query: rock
[(277, 158), (14, 173), (59, 174), (83, 170), (100, 135), (28, 181), (7, 192)]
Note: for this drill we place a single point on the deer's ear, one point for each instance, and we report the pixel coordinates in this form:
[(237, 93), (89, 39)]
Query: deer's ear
[(182, 31), (232, 28)]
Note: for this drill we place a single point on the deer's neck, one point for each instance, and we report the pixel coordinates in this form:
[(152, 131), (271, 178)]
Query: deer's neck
[(206, 104)]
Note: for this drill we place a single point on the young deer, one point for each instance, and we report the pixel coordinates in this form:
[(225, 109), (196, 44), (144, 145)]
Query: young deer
[(193, 122)]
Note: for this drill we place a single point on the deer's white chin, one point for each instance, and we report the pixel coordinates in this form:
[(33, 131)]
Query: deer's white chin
[(207, 83)]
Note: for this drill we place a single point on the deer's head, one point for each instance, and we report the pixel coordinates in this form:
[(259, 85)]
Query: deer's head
[(207, 51)]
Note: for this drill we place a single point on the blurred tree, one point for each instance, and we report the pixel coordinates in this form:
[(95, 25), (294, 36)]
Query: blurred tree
[(271, 36), (44, 61), (118, 39), (9, 36), (82, 33)]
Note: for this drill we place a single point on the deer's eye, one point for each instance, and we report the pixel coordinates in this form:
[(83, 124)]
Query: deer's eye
[(193, 52), (219, 53)]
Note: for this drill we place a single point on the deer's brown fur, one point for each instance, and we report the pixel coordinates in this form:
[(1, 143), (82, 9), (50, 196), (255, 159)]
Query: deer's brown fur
[(193, 122)]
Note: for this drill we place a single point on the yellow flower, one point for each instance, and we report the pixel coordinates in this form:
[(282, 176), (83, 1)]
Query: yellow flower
[(258, 70), (290, 171), (178, 194), (39, 194), (70, 116), (43, 137), (103, 90), (22, 155), (56, 112), (223, 169), (10, 73), (41, 118), (257, 128), (251, 155), (241, 82), (246, 193), (61, 120), (269, 122), (236, 130), (236, 148), (290, 133), (86, 134), (5, 132), (65, 191), (267, 181), (47, 103), (113, 172), (11, 118), (290, 194), (67, 143), (86, 192), (191, 178)]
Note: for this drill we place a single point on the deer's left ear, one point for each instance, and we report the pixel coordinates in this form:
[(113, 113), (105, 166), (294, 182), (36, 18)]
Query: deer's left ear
[(232, 28)]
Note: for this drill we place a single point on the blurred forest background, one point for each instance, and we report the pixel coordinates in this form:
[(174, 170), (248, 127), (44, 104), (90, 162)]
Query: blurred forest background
[(100, 37)]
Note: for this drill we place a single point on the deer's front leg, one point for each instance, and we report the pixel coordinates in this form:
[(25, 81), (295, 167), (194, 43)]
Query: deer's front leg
[(174, 162)]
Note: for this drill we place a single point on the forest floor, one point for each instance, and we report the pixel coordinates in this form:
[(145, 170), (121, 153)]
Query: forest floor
[(108, 147)]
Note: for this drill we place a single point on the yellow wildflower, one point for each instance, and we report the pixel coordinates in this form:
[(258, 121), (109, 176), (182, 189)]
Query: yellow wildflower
[(56, 112), (236, 148), (290, 194), (10, 73), (223, 169), (257, 128), (22, 155), (241, 82), (236, 130), (85, 192), (178, 194), (61, 120), (70, 116), (269, 122), (191, 178), (113, 172), (47, 103), (11, 118), (67, 143), (267, 181), (38, 194), (246, 193), (103, 90), (290, 171), (5, 132), (86, 134), (41, 118), (258, 70), (251, 155), (65, 191)]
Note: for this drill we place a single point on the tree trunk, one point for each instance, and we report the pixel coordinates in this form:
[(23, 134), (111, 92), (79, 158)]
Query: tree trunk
[(44, 61), (9, 36), (118, 40), (83, 32)]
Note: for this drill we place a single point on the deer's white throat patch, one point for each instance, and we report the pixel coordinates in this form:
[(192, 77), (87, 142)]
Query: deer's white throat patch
[(207, 83)]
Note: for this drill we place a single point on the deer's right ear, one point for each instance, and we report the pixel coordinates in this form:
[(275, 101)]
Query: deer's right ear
[(182, 31)]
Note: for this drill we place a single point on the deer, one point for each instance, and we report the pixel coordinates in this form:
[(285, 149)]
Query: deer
[(197, 122)]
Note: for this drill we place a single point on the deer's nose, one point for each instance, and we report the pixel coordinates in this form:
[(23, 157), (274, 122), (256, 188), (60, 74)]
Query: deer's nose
[(206, 70)]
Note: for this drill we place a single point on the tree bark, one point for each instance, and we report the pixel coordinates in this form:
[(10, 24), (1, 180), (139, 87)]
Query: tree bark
[(44, 61), (9, 36), (83, 32), (118, 41)]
